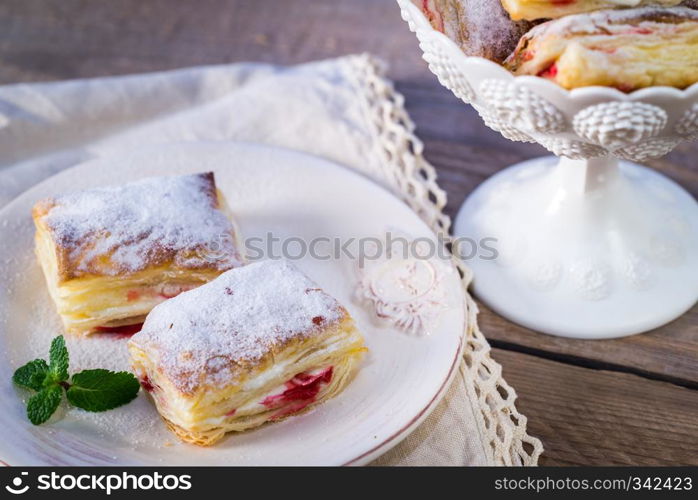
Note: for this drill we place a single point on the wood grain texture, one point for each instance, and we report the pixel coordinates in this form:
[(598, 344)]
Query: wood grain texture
[(669, 353), (44, 40), (599, 417)]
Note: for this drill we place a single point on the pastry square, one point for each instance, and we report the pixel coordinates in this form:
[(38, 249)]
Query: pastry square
[(257, 344), (110, 255), (627, 49)]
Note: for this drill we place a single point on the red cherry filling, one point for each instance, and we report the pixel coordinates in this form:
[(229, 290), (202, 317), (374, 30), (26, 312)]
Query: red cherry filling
[(528, 55), (300, 391), (433, 16), (550, 72), (146, 384), (162, 292), (637, 30), (170, 292), (121, 331)]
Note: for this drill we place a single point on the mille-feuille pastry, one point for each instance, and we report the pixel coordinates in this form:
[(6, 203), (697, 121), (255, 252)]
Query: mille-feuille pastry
[(551, 9), (110, 255), (626, 49), (256, 345), (481, 28)]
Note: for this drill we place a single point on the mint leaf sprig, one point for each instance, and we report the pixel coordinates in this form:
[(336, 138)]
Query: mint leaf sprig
[(92, 390)]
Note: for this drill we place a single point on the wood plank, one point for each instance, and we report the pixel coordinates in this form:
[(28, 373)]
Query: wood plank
[(55, 39), (667, 353), (596, 417)]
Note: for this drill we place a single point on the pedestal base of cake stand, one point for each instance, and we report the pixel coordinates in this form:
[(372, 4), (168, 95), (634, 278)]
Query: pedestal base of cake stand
[(582, 248)]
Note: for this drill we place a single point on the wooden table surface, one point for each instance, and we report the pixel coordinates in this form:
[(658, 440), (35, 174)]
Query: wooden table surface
[(627, 401)]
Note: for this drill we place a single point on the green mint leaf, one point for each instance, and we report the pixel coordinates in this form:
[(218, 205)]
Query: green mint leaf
[(43, 404), (101, 390), (31, 375), (58, 360)]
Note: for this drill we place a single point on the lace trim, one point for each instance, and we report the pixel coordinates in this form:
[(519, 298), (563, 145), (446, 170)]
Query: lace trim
[(404, 170)]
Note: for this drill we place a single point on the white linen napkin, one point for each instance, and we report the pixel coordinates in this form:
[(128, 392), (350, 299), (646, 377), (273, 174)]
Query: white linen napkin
[(321, 108)]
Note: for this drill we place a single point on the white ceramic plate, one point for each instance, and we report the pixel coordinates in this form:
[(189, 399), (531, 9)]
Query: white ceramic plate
[(269, 190)]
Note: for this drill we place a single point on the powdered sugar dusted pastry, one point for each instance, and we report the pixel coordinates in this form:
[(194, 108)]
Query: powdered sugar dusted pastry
[(258, 344), (481, 27), (626, 49), (551, 9), (111, 254)]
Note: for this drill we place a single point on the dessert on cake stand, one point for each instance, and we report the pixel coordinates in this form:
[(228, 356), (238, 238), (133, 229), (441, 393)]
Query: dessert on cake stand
[(589, 244)]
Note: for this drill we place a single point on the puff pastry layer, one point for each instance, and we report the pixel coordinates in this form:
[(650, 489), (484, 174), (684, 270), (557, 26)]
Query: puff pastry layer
[(110, 255), (551, 9), (257, 344), (628, 49)]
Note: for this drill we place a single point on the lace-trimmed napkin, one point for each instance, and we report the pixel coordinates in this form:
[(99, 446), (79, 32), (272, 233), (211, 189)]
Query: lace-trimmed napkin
[(341, 109)]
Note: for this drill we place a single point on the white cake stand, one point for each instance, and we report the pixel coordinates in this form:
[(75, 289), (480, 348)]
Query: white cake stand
[(586, 246)]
